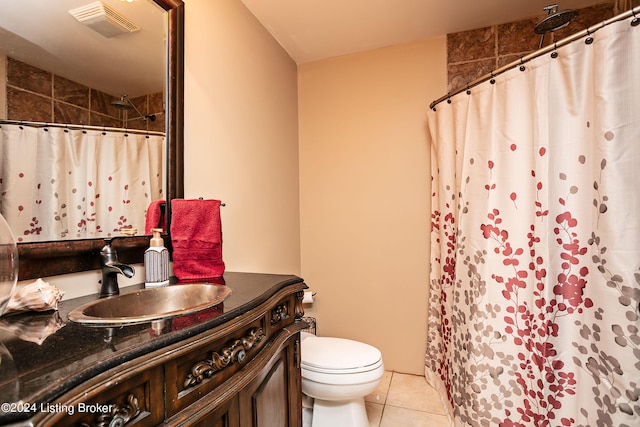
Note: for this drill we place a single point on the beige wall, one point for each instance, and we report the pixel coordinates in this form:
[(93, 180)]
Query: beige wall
[(364, 194), (241, 134), (241, 141), (364, 172)]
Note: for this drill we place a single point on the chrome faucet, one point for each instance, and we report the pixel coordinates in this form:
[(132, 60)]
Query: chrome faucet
[(110, 270)]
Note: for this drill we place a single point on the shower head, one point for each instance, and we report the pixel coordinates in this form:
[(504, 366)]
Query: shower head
[(124, 104), (554, 21)]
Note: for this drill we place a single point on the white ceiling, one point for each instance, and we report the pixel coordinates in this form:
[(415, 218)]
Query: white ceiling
[(310, 30), (44, 34)]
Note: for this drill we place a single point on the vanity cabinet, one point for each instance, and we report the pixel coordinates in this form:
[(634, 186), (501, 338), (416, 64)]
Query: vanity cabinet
[(243, 370), (272, 398)]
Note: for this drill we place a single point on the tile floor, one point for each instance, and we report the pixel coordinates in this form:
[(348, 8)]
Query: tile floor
[(407, 401)]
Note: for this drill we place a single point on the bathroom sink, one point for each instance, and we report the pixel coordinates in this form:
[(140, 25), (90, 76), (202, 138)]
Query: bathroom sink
[(148, 305)]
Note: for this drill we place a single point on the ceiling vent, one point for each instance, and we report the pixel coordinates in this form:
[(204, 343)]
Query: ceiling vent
[(104, 19)]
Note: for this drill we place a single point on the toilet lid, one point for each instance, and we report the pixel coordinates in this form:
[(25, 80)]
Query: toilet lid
[(338, 354)]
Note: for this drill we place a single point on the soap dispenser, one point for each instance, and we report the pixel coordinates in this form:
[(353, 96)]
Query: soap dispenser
[(156, 261)]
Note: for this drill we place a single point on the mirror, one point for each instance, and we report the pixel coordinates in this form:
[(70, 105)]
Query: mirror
[(60, 257), (82, 150)]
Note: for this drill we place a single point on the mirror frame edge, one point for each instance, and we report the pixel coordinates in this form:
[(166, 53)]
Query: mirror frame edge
[(44, 259)]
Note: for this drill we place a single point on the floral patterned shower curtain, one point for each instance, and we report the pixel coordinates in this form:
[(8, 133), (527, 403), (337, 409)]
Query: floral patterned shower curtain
[(535, 247), (58, 183)]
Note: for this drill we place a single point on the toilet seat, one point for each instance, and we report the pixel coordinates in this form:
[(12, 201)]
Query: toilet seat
[(328, 355), (337, 374)]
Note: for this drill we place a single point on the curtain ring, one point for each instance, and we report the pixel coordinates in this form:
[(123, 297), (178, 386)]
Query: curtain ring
[(468, 89), (554, 54), (449, 98), (635, 21), (522, 67), (589, 39), (493, 80)]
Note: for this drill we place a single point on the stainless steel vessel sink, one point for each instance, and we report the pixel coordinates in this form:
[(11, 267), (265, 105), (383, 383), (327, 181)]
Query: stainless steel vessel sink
[(148, 305)]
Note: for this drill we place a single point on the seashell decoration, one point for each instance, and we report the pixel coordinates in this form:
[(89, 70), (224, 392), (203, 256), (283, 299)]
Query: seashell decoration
[(36, 296)]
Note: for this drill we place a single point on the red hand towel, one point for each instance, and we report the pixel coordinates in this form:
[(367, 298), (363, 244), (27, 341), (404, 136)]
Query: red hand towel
[(196, 238), (155, 216)]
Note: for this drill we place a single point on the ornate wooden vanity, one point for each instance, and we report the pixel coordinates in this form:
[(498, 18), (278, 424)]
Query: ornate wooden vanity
[(235, 364)]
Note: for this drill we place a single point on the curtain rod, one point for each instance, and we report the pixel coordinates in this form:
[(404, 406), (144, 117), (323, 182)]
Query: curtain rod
[(80, 127), (540, 52)]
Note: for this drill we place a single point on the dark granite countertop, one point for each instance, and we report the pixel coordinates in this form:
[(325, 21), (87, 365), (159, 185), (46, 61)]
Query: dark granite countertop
[(43, 355)]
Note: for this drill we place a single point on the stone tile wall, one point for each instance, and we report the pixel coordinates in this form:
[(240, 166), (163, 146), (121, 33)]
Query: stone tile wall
[(475, 53), (36, 95)]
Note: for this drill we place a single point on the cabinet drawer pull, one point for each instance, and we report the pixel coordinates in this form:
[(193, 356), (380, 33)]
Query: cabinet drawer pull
[(279, 313), (119, 415), (234, 351)]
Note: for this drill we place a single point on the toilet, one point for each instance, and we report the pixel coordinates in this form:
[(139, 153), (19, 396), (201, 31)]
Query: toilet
[(337, 374)]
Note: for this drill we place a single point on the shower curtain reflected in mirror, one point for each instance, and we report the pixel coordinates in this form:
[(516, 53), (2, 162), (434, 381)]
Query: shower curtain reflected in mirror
[(535, 246), (59, 183)]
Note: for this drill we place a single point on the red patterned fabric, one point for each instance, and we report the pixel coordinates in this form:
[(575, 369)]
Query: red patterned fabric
[(535, 252), (58, 183)]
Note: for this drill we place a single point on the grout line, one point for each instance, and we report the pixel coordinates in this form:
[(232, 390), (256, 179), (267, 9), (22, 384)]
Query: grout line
[(385, 404), (386, 398), (382, 415), (416, 410)]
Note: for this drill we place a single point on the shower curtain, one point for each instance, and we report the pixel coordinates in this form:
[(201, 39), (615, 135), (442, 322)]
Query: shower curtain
[(58, 183), (535, 244)]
